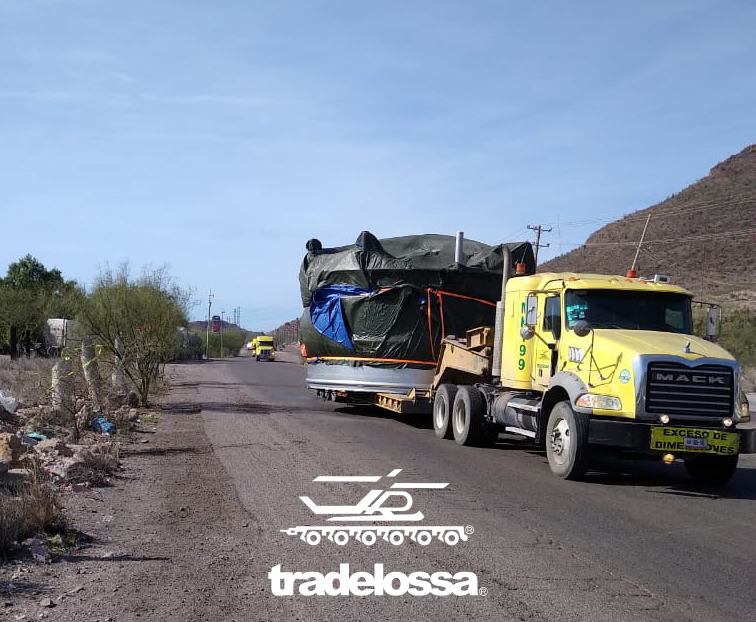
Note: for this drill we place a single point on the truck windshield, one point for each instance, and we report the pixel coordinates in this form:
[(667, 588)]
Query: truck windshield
[(601, 308)]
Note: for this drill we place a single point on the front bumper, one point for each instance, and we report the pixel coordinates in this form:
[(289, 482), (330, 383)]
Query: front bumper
[(637, 436)]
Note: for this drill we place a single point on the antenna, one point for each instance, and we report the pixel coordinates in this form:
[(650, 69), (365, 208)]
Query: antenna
[(643, 235)]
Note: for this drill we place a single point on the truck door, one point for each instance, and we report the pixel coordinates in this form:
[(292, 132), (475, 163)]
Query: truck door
[(546, 340)]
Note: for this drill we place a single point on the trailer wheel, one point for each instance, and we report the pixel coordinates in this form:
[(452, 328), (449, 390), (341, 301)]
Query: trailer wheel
[(567, 441), (469, 417), (443, 401), (707, 470)]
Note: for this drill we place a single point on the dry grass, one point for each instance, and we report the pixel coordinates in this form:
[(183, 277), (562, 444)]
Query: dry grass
[(26, 379), (97, 463), (29, 508), (103, 457)]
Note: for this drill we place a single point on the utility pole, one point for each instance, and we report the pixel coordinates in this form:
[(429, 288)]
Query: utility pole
[(221, 332), (209, 304), (539, 229)]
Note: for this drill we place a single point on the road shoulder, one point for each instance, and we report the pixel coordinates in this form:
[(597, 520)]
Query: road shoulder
[(169, 540)]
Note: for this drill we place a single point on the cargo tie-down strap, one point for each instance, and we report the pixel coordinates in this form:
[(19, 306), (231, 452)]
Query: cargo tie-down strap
[(440, 297)]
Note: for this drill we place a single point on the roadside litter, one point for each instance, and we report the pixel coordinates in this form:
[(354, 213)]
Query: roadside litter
[(9, 403), (101, 424)]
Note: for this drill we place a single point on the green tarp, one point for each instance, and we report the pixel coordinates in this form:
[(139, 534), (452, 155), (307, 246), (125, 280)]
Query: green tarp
[(393, 300)]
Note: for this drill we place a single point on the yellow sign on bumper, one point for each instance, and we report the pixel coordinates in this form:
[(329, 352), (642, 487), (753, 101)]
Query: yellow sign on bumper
[(696, 440)]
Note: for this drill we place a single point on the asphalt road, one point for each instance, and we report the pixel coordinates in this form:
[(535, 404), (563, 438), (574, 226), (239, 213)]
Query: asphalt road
[(634, 541)]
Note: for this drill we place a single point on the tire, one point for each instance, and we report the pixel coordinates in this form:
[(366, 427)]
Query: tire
[(443, 401), (708, 470), (567, 442), (257, 358), (490, 436), (468, 418)]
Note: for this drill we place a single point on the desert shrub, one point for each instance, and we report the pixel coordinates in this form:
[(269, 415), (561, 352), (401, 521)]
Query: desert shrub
[(96, 463), (102, 457), (28, 508), (136, 321), (738, 333)]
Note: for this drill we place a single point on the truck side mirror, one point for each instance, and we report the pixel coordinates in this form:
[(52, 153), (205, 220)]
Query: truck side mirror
[(531, 310), (712, 323), (582, 328)]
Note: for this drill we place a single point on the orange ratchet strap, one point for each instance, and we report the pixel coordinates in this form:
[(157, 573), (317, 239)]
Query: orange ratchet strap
[(359, 358)]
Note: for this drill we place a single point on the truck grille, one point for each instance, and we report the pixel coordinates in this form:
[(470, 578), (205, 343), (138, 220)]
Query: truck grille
[(676, 389)]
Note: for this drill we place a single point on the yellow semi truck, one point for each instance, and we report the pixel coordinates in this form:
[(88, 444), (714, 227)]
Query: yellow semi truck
[(581, 361), (264, 349)]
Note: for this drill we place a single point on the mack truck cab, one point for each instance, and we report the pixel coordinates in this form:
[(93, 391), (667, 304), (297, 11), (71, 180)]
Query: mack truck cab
[(582, 361)]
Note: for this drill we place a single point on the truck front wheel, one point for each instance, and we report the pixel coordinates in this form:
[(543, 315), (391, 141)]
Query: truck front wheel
[(443, 401), (469, 418), (708, 470), (567, 441)]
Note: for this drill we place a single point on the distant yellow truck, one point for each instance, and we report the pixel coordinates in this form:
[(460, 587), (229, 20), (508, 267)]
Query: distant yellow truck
[(264, 348)]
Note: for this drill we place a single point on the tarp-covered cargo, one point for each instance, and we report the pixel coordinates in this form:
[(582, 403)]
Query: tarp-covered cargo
[(387, 304)]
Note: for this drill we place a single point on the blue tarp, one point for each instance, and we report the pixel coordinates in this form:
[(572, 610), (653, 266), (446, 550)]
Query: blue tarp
[(102, 425), (326, 314)]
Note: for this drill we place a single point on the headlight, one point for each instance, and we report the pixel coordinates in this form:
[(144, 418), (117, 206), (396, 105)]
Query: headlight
[(602, 402), (743, 410)]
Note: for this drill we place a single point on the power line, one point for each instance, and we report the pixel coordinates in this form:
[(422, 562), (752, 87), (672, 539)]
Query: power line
[(661, 212), (510, 237), (701, 274), (695, 238)]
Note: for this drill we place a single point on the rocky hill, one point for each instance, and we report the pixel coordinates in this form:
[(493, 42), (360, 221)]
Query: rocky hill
[(704, 236)]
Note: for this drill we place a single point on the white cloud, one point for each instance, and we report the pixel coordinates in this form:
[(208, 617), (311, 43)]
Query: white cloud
[(51, 96), (208, 98)]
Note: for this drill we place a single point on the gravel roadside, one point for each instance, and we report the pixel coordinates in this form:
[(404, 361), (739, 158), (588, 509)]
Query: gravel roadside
[(168, 541)]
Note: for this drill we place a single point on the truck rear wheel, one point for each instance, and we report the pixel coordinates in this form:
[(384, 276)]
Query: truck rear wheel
[(469, 417), (708, 470), (567, 441), (443, 401)]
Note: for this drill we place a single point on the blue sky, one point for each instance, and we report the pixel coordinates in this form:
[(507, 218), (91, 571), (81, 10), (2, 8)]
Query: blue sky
[(218, 137)]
